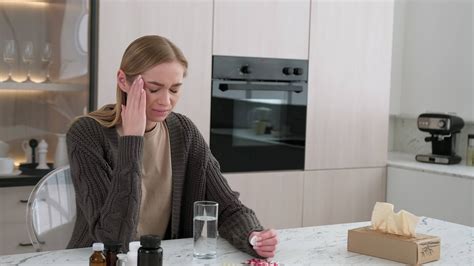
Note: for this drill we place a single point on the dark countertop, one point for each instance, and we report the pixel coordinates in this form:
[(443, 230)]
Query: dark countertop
[(19, 180), (26, 175)]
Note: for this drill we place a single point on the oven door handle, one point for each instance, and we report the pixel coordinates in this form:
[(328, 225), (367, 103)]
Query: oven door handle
[(259, 85)]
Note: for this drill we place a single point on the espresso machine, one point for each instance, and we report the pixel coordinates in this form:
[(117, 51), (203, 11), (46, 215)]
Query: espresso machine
[(443, 129)]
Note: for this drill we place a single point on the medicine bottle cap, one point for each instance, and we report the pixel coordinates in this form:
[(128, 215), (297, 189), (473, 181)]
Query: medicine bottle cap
[(134, 246), (150, 241), (112, 246), (98, 246)]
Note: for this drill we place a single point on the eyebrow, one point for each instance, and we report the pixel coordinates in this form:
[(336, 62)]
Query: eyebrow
[(161, 84)]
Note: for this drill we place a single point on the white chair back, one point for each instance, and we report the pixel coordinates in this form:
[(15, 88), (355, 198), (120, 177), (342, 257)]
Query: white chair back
[(51, 211)]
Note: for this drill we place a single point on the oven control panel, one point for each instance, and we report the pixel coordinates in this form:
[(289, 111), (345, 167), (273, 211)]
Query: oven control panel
[(253, 68)]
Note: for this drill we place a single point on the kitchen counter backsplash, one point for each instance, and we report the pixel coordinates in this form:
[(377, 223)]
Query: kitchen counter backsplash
[(404, 136)]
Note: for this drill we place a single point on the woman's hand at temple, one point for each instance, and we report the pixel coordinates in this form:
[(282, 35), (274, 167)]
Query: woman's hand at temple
[(265, 242), (134, 113)]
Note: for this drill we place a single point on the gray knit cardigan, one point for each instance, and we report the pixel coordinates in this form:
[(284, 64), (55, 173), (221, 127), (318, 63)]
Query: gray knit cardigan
[(105, 170)]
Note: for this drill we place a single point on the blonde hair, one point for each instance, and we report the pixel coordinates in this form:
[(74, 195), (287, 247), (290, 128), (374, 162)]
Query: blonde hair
[(141, 55)]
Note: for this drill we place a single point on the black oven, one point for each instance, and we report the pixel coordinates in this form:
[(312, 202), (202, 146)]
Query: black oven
[(258, 113)]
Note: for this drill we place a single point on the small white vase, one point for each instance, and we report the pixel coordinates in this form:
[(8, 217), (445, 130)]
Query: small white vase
[(60, 157), (42, 154), (27, 149), (4, 147)]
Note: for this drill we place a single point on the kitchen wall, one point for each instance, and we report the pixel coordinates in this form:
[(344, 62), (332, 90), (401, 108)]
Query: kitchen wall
[(431, 69), (404, 136), (432, 58)]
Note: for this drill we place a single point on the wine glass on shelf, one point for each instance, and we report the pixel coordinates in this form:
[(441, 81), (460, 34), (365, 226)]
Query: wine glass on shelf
[(9, 56), (28, 58), (46, 59)]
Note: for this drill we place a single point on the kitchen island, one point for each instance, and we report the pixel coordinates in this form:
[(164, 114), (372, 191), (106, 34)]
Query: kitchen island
[(308, 245)]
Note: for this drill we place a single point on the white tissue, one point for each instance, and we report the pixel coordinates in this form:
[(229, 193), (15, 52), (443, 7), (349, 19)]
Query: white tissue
[(253, 240), (385, 220)]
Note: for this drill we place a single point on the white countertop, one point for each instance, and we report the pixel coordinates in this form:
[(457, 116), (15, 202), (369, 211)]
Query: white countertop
[(407, 161), (309, 245)]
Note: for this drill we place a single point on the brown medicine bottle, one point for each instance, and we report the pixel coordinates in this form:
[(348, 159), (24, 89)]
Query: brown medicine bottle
[(97, 258), (111, 251)]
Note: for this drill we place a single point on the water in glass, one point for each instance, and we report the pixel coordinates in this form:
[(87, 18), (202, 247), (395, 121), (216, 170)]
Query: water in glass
[(205, 230)]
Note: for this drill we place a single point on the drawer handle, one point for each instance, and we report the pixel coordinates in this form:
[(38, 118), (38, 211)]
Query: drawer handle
[(25, 244), (24, 201)]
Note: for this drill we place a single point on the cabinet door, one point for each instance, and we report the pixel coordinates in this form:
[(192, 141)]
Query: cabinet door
[(276, 197), (186, 23), (435, 195), (349, 84), (278, 28), (13, 220), (342, 196)]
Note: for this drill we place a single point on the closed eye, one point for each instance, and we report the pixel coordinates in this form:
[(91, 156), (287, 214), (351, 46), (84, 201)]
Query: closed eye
[(153, 90), (175, 89), (156, 86)]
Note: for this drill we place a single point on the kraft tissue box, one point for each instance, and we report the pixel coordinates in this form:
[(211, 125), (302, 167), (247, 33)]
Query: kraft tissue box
[(409, 250)]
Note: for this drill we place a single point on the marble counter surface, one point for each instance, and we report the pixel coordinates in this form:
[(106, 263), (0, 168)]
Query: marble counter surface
[(309, 245), (407, 161)]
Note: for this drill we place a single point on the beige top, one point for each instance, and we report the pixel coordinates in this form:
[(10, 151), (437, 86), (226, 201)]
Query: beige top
[(155, 207)]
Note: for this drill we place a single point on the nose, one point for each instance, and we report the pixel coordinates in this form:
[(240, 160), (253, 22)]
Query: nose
[(163, 98)]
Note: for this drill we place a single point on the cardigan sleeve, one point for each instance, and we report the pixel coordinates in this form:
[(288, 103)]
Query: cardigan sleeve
[(235, 221), (106, 194)]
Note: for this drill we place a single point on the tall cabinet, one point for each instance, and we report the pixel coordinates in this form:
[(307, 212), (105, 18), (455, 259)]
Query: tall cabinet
[(349, 81), (348, 109), (349, 48), (275, 29), (47, 78)]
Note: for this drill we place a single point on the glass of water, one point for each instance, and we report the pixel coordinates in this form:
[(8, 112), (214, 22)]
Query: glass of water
[(205, 229)]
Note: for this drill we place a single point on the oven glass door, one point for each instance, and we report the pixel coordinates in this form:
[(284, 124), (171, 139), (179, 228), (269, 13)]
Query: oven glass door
[(258, 126)]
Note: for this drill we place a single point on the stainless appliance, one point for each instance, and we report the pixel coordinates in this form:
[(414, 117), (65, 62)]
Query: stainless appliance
[(258, 113), (443, 129)]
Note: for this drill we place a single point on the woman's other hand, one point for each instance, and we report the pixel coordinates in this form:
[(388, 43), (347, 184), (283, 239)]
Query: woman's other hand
[(134, 113), (265, 242)]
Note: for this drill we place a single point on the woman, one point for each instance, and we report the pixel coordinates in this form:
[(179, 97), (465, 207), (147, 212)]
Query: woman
[(137, 167)]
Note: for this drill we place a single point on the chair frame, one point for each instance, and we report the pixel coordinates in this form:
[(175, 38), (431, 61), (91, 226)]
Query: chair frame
[(32, 234)]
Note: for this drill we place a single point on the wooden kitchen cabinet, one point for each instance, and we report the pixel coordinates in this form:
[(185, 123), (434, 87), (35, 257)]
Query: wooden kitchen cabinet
[(13, 230), (278, 29), (186, 23), (437, 195), (348, 84), (276, 197), (342, 196)]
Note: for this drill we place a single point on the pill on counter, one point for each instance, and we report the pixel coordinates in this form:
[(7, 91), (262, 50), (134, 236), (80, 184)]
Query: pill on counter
[(260, 262)]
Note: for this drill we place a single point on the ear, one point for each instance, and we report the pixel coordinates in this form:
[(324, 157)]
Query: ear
[(122, 81)]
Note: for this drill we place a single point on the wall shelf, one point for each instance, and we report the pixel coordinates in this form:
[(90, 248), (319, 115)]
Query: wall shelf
[(44, 86)]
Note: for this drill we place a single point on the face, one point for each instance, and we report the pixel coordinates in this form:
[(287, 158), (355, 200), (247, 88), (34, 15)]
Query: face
[(162, 84)]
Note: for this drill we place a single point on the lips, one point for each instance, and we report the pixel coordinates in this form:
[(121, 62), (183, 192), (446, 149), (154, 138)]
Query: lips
[(160, 112)]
